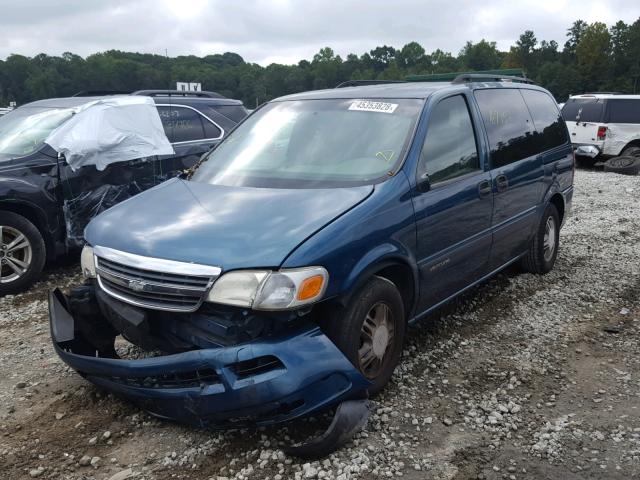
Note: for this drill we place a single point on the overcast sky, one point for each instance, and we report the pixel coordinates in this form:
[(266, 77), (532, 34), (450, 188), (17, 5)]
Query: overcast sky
[(286, 31)]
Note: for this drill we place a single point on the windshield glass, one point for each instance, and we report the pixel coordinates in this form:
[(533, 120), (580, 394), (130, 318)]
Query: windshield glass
[(582, 110), (314, 144), (24, 130)]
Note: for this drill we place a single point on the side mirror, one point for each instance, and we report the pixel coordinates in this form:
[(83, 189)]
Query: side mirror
[(424, 184)]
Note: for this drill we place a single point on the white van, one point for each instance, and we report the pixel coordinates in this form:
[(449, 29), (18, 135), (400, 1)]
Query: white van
[(604, 124)]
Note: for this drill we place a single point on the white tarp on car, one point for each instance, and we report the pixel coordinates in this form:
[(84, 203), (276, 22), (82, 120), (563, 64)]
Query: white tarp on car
[(109, 130)]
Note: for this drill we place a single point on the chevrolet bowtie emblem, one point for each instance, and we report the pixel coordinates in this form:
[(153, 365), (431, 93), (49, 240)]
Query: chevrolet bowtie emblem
[(137, 285)]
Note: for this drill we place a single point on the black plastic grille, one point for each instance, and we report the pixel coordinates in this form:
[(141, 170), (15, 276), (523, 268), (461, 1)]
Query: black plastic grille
[(195, 378)]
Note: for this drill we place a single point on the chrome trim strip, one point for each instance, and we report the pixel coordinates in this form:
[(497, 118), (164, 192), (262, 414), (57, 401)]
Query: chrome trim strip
[(156, 264)]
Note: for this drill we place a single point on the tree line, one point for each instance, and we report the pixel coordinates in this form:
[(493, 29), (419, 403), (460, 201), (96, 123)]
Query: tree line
[(594, 57)]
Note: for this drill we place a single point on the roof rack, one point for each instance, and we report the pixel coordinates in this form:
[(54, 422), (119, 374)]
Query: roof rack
[(483, 77), (100, 93), (361, 83), (177, 93), (602, 93)]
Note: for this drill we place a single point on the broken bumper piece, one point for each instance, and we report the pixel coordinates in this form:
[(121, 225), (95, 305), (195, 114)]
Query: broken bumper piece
[(266, 381)]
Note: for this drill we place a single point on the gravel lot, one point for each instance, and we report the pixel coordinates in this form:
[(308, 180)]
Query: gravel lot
[(525, 377)]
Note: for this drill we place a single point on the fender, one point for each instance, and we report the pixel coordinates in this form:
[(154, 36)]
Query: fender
[(375, 260)]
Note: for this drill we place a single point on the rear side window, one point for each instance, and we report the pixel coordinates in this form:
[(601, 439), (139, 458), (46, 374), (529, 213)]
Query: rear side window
[(449, 148), (165, 117), (550, 128), (508, 124), (187, 125), (624, 111), (583, 110)]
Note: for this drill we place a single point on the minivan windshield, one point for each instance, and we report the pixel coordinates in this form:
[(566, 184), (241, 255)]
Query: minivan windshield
[(314, 144), (23, 131)]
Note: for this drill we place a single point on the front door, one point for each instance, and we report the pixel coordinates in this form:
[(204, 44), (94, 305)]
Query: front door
[(453, 204)]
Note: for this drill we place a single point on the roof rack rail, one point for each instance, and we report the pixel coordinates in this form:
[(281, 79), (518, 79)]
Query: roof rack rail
[(483, 77), (100, 93), (177, 93), (361, 83), (602, 93)]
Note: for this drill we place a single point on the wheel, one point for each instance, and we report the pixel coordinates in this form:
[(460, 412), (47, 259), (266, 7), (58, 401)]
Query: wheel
[(543, 249), (624, 165), (631, 151), (22, 253), (370, 331)]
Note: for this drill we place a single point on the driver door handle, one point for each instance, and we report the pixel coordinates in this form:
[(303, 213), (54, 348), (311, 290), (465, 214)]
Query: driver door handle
[(484, 188), (502, 183)]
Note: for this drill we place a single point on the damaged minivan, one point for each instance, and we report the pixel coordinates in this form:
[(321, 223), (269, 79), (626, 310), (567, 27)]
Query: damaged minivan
[(279, 278), (64, 160)]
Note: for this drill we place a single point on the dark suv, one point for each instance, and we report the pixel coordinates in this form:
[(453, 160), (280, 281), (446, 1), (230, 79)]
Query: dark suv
[(45, 204), (279, 278)]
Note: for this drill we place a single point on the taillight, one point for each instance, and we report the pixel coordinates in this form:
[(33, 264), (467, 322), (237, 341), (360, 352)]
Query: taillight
[(602, 133)]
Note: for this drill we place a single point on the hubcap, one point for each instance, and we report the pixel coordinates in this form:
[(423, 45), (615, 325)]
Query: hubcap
[(15, 254), (549, 242), (376, 339)]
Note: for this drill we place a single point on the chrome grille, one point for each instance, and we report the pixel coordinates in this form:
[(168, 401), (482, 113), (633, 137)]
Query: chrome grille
[(153, 283)]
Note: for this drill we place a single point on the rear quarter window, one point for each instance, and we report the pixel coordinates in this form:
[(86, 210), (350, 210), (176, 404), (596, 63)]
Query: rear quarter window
[(235, 113), (624, 111), (550, 127)]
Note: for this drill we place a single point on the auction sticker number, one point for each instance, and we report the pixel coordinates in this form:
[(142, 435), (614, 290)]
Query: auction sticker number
[(369, 106)]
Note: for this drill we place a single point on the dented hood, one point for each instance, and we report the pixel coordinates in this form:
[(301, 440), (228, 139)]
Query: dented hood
[(229, 227)]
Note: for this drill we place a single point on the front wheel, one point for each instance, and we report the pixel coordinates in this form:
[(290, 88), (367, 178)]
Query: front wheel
[(543, 248), (22, 253), (370, 331)]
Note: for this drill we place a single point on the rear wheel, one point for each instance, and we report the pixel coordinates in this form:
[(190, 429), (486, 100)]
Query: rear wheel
[(370, 332), (22, 253), (543, 249), (625, 165)]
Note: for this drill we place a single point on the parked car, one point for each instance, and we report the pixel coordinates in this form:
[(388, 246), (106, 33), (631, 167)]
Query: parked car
[(604, 126), (279, 278), (45, 204)]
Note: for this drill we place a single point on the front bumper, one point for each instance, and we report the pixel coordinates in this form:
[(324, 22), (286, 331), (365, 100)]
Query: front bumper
[(207, 387)]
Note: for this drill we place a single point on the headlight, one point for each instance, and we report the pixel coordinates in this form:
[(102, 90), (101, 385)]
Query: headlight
[(87, 262), (267, 290)]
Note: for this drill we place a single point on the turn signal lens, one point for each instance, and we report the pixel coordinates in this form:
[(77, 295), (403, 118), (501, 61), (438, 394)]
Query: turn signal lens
[(310, 288)]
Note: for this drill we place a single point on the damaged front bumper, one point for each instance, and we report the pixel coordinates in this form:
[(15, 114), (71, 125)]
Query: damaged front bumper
[(265, 381)]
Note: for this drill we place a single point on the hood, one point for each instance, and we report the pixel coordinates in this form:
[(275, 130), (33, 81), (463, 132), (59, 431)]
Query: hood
[(229, 227)]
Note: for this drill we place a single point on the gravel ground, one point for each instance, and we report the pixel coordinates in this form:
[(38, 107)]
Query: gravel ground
[(525, 377)]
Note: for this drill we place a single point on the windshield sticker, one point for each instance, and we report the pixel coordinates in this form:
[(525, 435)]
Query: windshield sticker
[(386, 155), (369, 106)]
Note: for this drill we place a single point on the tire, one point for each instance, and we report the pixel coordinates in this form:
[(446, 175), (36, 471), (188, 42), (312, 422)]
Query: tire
[(20, 266), (625, 165), (631, 151), (378, 299), (541, 256)]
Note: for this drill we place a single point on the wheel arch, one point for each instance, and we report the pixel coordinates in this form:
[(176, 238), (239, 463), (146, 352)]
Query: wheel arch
[(395, 265)]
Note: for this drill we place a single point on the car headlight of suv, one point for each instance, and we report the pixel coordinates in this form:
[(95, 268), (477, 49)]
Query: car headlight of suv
[(87, 262), (269, 290)]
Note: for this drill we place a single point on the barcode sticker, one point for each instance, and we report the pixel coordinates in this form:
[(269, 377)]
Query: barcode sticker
[(369, 106)]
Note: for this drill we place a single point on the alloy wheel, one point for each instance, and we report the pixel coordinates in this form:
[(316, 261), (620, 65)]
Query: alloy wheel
[(549, 242), (376, 339), (16, 254)]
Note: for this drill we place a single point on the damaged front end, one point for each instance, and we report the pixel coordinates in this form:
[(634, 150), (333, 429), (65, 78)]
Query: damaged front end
[(220, 367)]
